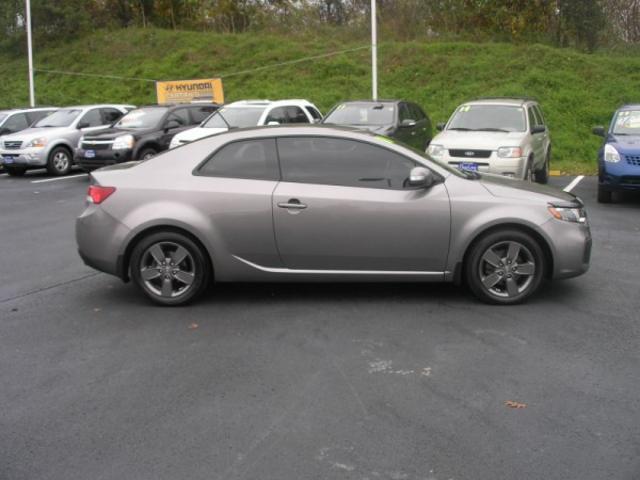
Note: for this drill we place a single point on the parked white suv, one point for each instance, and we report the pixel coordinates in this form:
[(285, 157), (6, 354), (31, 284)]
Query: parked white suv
[(251, 113), (15, 120), (51, 141), (504, 136)]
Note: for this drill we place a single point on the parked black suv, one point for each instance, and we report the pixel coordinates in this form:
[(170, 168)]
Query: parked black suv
[(139, 135), (404, 121)]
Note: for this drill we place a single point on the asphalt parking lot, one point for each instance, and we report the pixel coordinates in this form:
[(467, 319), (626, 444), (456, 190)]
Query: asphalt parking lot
[(401, 382)]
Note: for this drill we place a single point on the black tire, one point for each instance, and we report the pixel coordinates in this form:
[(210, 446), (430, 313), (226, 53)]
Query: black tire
[(15, 171), (604, 195), (528, 173), (195, 265), (542, 175), (147, 153), (59, 161), (511, 286)]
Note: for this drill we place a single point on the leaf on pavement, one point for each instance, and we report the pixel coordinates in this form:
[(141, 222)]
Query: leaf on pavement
[(513, 404)]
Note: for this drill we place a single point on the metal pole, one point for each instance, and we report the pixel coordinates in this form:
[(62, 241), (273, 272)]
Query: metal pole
[(32, 94), (374, 51)]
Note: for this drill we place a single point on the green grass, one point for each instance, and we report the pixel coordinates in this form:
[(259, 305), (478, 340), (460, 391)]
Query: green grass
[(577, 91)]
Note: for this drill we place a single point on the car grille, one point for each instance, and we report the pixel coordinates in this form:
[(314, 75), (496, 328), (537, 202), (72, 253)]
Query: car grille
[(633, 160), (102, 145), (12, 145), (470, 154)]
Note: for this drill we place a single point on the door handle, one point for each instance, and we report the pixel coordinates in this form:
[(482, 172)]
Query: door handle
[(293, 204)]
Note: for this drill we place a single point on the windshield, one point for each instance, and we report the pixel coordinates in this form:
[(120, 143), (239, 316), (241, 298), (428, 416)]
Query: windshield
[(362, 114), (142, 118), (234, 117), (489, 118), (627, 122), (2, 117), (61, 118)]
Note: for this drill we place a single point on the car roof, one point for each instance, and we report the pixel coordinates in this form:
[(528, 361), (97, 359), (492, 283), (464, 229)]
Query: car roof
[(269, 103), (374, 102), (630, 106), (27, 109), (517, 101), (101, 105)]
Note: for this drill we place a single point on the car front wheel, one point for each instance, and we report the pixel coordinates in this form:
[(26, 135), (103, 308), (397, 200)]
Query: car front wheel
[(505, 267), (59, 161), (170, 268)]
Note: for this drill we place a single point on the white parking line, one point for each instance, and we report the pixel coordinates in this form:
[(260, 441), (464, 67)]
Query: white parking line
[(59, 178), (573, 184)]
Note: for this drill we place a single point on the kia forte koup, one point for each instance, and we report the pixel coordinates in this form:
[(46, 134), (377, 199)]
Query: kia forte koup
[(324, 204)]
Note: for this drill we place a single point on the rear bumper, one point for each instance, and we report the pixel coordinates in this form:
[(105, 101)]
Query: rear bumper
[(101, 158)]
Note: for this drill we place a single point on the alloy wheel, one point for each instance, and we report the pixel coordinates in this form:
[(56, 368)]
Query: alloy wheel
[(61, 161), (507, 269), (167, 269)]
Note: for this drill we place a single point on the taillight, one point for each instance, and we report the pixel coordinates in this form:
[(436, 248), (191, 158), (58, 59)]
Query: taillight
[(98, 194)]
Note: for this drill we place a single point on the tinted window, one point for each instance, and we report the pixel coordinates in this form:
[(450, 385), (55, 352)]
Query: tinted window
[(362, 114), (278, 114), (17, 122), (488, 118), (147, 117), (61, 118), (532, 118), (333, 161), (181, 115), (405, 114), (201, 113), (252, 159), (539, 115), (417, 112), (91, 119), (296, 115), (315, 114), (110, 116)]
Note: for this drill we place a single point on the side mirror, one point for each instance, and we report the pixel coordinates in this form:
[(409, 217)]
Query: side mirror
[(538, 129), (408, 123), (440, 126), (420, 177), (600, 131), (273, 122), (82, 125), (4, 131)]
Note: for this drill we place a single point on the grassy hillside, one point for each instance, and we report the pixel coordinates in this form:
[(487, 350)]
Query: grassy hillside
[(576, 90)]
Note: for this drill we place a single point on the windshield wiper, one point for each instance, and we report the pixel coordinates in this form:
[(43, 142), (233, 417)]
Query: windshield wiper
[(491, 130), (463, 129)]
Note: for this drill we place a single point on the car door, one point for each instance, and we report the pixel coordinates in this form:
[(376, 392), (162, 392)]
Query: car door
[(537, 139), (175, 122), (546, 138), (342, 205)]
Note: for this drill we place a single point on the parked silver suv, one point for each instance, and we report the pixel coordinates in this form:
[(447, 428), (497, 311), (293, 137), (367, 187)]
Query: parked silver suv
[(504, 136), (52, 140)]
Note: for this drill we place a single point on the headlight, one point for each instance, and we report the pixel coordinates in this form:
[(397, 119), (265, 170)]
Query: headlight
[(435, 150), (123, 142), (611, 155), (37, 143), (569, 214), (510, 152)]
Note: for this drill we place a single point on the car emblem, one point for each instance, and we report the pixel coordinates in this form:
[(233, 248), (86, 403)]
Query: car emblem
[(470, 154)]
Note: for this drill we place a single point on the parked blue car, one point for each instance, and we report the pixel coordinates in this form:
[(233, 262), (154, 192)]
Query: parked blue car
[(619, 156)]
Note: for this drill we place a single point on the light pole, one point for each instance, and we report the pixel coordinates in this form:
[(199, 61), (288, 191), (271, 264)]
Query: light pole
[(374, 52), (32, 94)]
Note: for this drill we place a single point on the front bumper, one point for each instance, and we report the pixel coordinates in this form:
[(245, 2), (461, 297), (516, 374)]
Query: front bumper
[(511, 167), (620, 182), (101, 158), (28, 157), (571, 245)]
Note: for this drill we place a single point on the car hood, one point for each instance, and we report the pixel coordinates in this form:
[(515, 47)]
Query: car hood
[(197, 133), (506, 187), (32, 133), (625, 144), (111, 133), (478, 140)]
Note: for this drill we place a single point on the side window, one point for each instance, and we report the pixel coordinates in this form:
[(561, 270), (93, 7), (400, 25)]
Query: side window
[(91, 119), (278, 114), (532, 118), (417, 112), (405, 114), (251, 159), (539, 115), (296, 115), (17, 122), (110, 115), (334, 161), (199, 114), (315, 114), (181, 115)]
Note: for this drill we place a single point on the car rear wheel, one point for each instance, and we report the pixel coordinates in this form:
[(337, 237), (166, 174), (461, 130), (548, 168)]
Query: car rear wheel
[(529, 173), (170, 268), (15, 171), (59, 162), (604, 195), (542, 175), (505, 267)]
